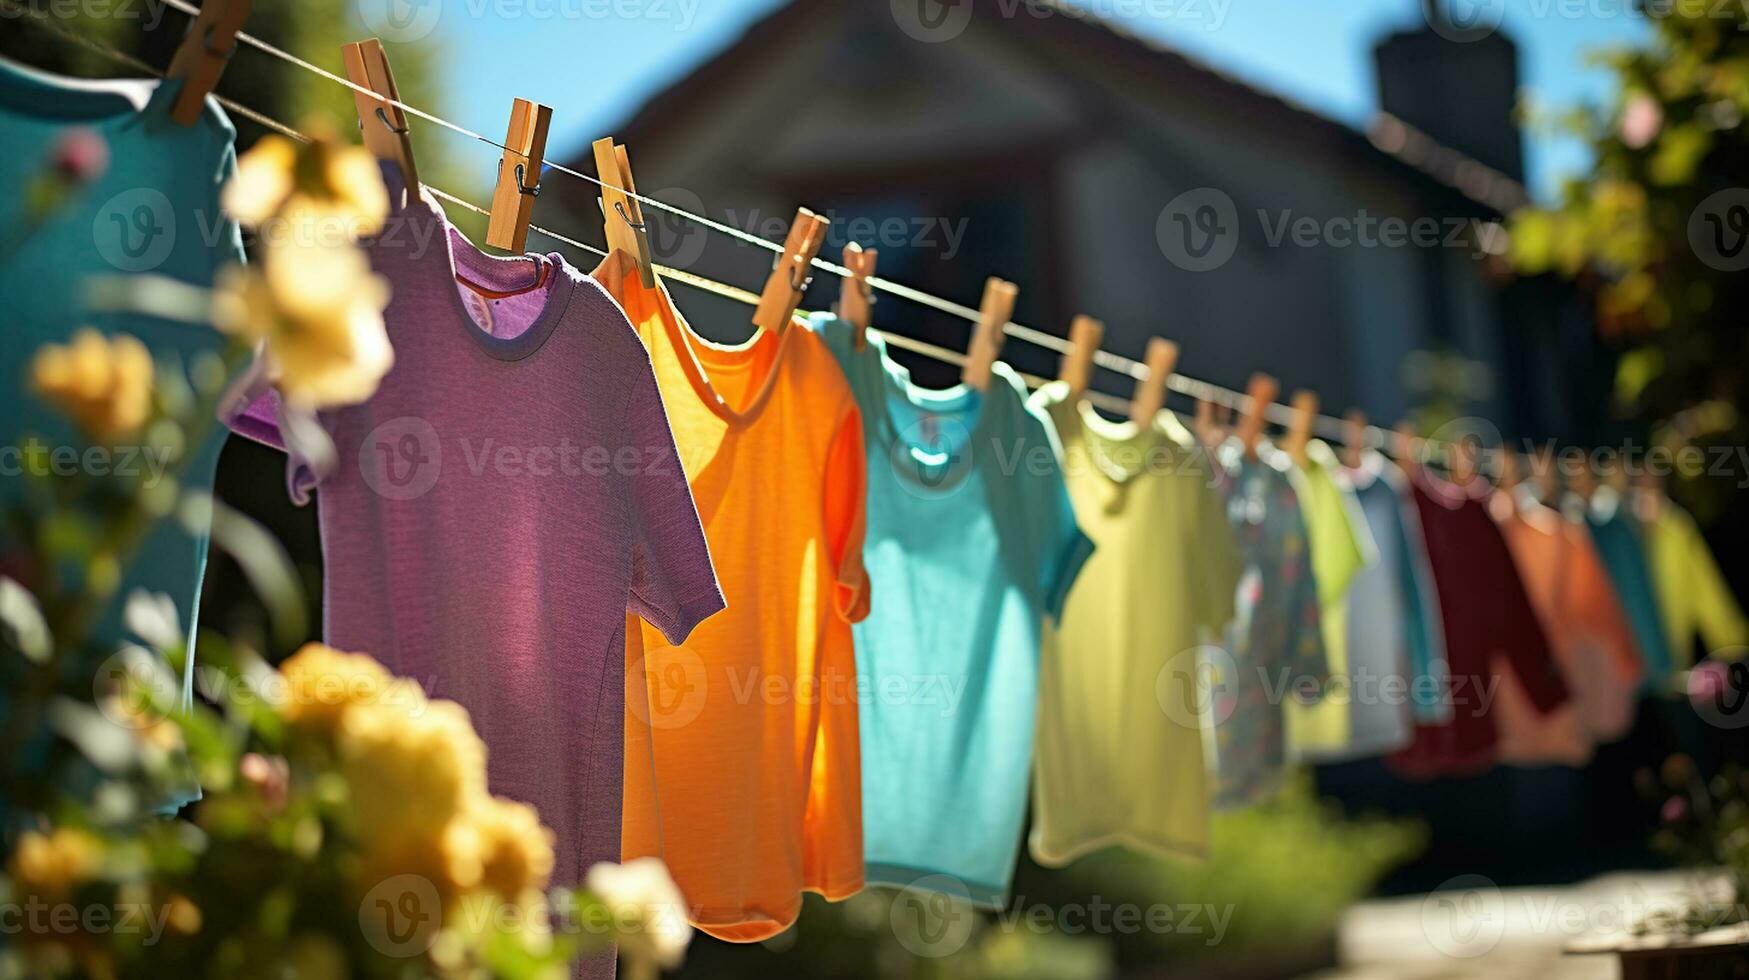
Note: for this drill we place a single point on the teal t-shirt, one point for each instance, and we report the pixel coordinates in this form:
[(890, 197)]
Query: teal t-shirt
[(154, 210), (971, 542), (1616, 533)]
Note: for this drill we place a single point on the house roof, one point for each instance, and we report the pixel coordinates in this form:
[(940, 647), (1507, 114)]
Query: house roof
[(1389, 136)]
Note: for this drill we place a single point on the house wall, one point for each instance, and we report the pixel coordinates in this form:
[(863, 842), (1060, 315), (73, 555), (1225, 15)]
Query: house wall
[(1054, 168)]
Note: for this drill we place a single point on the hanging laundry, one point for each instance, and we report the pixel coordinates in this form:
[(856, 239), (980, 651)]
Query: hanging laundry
[(1341, 548), (1122, 702), (1274, 650), (509, 492), (1692, 596), (155, 209), (1586, 628), (755, 794), (973, 541), (1490, 629), (1618, 537), (1395, 640)]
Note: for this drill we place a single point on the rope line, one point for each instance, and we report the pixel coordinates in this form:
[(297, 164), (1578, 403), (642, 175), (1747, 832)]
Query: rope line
[(1325, 426)]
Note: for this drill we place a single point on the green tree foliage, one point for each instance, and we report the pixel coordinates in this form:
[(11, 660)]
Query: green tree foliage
[(1659, 228)]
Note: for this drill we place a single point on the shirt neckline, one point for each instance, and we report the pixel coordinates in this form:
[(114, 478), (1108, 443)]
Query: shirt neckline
[(693, 351), (1121, 449), (507, 274), (959, 402)]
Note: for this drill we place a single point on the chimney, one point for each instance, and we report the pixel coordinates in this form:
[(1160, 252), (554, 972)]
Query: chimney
[(1458, 83)]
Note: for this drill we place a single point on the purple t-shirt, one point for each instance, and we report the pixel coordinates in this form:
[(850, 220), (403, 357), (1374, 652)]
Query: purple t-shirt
[(497, 507)]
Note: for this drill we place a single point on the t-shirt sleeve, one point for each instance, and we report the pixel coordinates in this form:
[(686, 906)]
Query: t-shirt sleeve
[(844, 503), (1221, 565), (1719, 616), (1067, 547), (674, 585), (253, 409)]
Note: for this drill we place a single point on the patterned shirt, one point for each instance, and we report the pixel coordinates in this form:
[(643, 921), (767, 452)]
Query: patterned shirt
[(1274, 646)]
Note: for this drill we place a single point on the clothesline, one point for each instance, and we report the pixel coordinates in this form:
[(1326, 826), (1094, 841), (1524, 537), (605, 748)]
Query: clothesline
[(1327, 427)]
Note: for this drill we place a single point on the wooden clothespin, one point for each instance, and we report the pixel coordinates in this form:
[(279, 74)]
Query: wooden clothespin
[(628, 239), (1511, 474), (383, 123), (994, 312), (203, 54), (1404, 443), (791, 273), (1085, 335), (1260, 394), (1299, 430), (518, 175), (1150, 396), (1353, 438), (855, 296)]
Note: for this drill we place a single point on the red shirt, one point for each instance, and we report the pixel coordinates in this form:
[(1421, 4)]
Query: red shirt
[(1488, 620)]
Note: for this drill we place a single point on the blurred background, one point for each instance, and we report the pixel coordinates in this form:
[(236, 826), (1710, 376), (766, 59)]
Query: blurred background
[(1056, 145)]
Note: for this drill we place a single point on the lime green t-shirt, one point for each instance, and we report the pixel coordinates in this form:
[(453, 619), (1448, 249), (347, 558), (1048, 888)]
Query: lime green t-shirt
[(1119, 752), (1693, 598), (1341, 547)]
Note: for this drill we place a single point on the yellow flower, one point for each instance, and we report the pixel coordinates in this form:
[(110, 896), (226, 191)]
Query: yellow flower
[(321, 683), (648, 912), (48, 867), (318, 309), (411, 773), (103, 384), (336, 186), (516, 852)]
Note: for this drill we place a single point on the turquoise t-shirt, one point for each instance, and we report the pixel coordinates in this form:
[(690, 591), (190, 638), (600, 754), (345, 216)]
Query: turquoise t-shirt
[(154, 210), (971, 542), (1616, 533)]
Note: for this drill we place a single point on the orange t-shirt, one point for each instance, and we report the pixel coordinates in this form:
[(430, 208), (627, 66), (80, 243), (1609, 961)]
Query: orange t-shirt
[(743, 769), (1588, 633)]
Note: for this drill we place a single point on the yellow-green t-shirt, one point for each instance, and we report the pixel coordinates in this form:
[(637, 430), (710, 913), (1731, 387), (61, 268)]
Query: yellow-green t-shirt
[(1692, 595), (1341, 547), (1119, 752)]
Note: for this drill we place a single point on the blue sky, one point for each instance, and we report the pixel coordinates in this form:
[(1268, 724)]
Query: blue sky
[(595, 60)]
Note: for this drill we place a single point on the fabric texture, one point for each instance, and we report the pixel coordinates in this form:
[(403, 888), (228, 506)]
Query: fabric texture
[(973, 540), (755, 794), (1587, 631), (1618, 538), (500, 504), (1396, 643), (1121, 705), (1341, 548), (1274, 647), (1490, 629), (1693, 597), (154, 210)]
